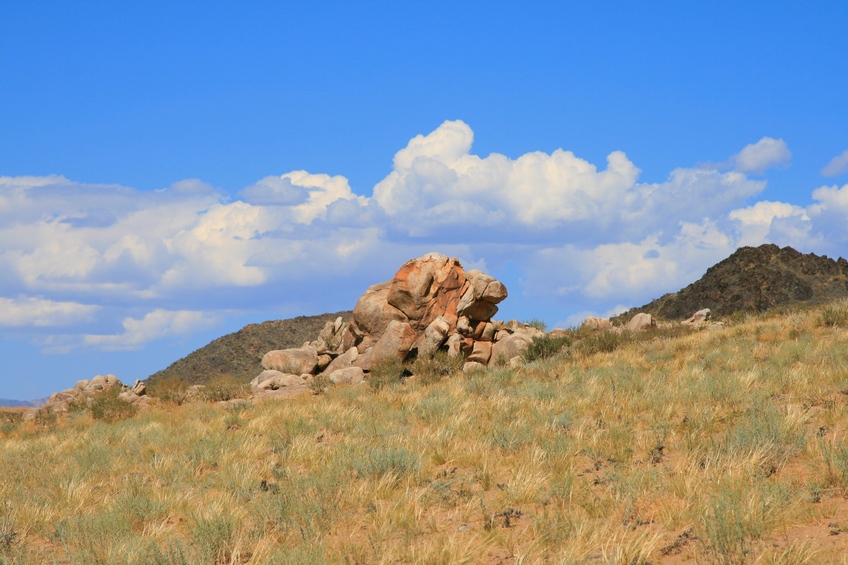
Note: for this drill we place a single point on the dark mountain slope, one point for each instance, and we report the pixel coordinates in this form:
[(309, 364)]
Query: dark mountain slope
[(755, 279), (240, 354)]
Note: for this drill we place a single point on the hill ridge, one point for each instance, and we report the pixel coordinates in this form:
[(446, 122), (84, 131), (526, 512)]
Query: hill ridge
[(754, 279)]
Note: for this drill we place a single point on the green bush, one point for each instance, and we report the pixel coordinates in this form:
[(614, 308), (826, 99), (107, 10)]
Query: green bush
[(429, 370), (834, 316), (172, 390), (108, 407), (388, 372), (10, 421), (603, 342), (319, 383), (547, 346)]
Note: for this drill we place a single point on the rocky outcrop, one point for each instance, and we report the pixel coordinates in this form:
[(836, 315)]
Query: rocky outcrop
[(596, 324), (85, 391), (431, 304)]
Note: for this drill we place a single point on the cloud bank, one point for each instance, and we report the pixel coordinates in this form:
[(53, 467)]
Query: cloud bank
[(117, 268)]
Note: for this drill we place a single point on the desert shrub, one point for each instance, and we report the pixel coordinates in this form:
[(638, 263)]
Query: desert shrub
[(46, 417), (388, 372), (546, 346), (10, 421), (225, 387), (834, 316), (602, 342), (77, 405), (172, 390), (319, 383), (431, 370), (538, 324), (108, 407)]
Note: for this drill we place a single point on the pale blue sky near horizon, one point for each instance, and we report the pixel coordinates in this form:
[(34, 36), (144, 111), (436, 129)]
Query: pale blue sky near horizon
[(692, 128)]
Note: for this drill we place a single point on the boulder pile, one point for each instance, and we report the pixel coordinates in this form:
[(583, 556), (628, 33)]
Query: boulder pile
[(431, 304), (84, 392)]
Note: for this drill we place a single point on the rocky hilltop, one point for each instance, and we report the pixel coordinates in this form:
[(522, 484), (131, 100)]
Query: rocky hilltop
[(754, 279), (239, 354)]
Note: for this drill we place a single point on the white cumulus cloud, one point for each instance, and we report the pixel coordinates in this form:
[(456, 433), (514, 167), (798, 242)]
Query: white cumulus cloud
[(39, 312), (155, 325), (837, 166), (437, 183), (757, 157)]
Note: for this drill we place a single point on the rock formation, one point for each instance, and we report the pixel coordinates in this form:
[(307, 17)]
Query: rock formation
[(431, 304), (84, 392)]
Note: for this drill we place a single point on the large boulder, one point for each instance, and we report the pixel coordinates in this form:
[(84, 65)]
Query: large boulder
[(396, 341), (432, 338), (639, 322), (274, 380), (349, 375), (426, 288), (513, 343), (371, 316), (480, 296), (343, 361), (298, 361), (699, 317)]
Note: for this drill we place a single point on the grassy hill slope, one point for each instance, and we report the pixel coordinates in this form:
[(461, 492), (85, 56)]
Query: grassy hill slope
[(713, 446)]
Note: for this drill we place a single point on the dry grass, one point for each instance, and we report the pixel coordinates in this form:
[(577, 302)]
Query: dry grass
[(723, 446)]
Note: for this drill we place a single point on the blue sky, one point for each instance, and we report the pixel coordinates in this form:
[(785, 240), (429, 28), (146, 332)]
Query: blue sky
[(172, 171)]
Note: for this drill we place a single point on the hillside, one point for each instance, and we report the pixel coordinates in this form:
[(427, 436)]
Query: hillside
[(755, 279), (664, 447), (239, 354)]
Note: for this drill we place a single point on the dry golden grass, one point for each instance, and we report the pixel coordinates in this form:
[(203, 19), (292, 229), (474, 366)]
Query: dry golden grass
[(715, 446)]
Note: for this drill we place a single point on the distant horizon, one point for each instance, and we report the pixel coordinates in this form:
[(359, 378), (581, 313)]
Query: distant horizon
[(170, 173)]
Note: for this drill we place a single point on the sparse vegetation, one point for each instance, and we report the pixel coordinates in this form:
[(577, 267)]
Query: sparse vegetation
[(547, 346), (723, 446), (108, 407), (225, 387), (835, 315), (173, 390), (538, 324)]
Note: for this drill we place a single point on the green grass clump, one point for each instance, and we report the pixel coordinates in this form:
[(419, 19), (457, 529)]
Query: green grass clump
[(546, 346), (834, 315), (173, 390), (388, 372), (108, 407)]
